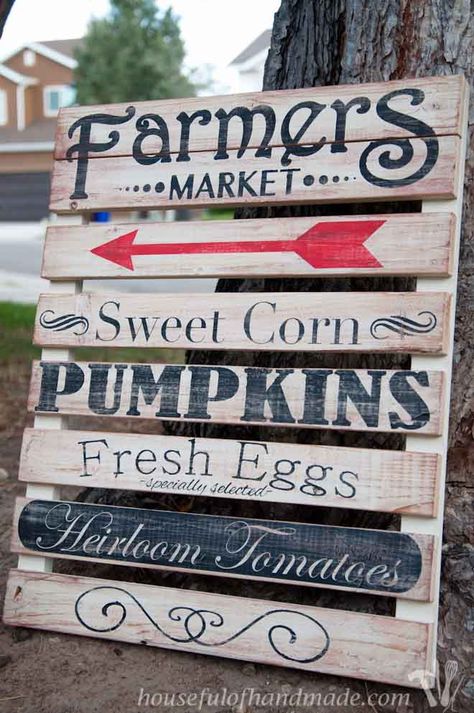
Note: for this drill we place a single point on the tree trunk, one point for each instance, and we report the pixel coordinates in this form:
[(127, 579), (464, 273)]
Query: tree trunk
[(320, 42), (5, 7)]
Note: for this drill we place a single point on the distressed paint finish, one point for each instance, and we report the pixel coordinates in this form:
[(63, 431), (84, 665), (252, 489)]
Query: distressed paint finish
[(360, 173), (332, 41), (404, 244), (386, 563), (373, 400), (368, 479), (415, 166), (314, 639), (402, 322), (358, 119)]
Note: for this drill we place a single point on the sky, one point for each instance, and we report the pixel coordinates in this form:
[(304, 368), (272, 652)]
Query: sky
[(214, 31)]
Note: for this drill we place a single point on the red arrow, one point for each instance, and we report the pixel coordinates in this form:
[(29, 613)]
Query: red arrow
[(334, 244)]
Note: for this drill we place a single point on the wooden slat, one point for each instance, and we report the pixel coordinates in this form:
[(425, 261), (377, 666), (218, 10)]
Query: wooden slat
[(404, 244), (413, 401), (438, 107), (55, 423), (402, 322), (364, 479), (430, 612), (318, 639), (380, 562), (123, 183), (373, 400)]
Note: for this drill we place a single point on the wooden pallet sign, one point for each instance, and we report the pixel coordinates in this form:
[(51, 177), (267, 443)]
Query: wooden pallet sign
[(381, 322), (391, 141), (317, 146), (400, 244), (244, 470), (312, 639), (389, 563), (357, 399)]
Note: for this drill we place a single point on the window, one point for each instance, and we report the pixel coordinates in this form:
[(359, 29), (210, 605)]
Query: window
[(3, 108), (29, 58), (55, 97)]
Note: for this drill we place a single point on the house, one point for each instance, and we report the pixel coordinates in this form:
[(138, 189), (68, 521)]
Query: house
[(35, 81), (247, 68)]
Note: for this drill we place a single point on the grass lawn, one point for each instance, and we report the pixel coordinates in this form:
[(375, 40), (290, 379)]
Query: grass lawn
[(218, 214), (16, 333)]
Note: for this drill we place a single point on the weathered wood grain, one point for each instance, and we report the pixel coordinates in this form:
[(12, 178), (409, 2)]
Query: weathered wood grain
[(373, 400), (342, 113), (318, 42), (364, 479), (430, 611), (410, 243), (318, 639), (260, 157), (381, 562), (417, 169), (402, 322)]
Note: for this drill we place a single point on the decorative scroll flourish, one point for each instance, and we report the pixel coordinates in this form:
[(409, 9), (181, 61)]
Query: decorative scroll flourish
[(63, 322), (403, 325), (404, 147), (197, 622), (388, 162)]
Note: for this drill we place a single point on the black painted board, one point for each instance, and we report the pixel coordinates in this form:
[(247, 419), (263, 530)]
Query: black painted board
[(342, 557)]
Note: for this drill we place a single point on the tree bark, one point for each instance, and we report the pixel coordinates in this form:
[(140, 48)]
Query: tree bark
[(321, 42), (5, 8)]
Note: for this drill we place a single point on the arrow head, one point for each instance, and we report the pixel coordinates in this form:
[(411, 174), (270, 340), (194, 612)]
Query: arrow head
[(338, 244), (119, 250)]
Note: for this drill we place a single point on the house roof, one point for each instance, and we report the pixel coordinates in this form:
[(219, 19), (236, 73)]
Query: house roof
[(260, 43), (60, 51), (38, 132), (66, 47), (16, 77), (52, 54)]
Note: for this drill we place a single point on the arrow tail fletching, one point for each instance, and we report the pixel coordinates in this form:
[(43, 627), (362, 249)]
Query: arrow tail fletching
[(338, 244)]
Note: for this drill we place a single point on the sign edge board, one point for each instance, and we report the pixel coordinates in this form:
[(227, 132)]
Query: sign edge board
[(452, 85), (285, 263), (420, 591), (170, 192), (34, 389), (83, 312), (420, 466), (29, 615)]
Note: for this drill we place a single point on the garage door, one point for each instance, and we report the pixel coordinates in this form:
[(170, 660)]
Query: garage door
[(24, 196)]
